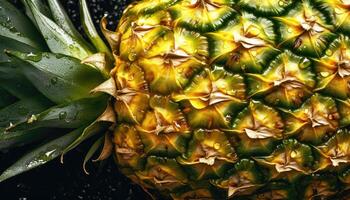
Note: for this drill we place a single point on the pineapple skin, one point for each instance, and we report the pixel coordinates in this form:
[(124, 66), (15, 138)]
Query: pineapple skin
[(247, 99)]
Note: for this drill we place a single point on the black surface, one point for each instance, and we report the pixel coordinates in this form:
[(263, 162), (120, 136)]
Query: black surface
[(68, 181), (56, 181)]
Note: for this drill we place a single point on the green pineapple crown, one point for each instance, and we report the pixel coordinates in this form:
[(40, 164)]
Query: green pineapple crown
[(47, 74)]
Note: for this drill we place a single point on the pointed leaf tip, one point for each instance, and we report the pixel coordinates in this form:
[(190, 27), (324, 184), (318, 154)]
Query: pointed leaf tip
[(54, 74), (91, 31), (91, 152), (58, 40), (40, 155), (16, 26)]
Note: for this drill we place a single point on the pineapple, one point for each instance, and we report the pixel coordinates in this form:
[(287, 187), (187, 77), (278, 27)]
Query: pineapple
[(195, 99)]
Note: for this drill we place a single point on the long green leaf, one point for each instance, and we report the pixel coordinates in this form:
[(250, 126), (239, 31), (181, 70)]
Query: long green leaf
[(22, 110), (40, 155), (71, 115), (60, 78), (6, 98), (42, 7), (20, 88), (20, 138), (61, 18), (58, 40), (14, 25), (91, 31), (91, 130), (11, 44), (13, 81), (92, 151)]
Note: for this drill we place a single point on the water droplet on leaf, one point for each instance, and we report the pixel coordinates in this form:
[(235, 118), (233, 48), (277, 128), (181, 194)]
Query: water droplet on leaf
[(62, 115), (54, 80), (34, 57)]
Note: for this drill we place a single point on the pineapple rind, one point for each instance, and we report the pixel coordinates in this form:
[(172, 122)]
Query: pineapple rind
[(236, 80)]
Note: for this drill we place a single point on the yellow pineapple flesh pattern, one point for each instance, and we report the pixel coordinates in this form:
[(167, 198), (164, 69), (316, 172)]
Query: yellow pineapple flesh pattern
[(221, 98)]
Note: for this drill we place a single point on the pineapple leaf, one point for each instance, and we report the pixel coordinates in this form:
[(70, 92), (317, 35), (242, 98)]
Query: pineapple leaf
[(92, 151), (22, 89), (43, 8), (40, 155), (17, 85), (90, 30), (14, 25), (61, 18), (5, 98), (20, 138), (93, 129), (70, 115), (58, 40), (21, 110), (11, 44), (54, 74)]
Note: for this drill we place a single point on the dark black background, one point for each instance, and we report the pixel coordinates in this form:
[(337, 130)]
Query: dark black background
[(68, 181)]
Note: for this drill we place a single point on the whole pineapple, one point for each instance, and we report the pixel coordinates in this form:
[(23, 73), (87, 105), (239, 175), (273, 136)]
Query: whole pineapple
[(208, 99)]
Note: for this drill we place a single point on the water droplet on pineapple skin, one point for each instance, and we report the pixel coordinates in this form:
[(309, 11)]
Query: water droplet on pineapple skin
[(329, 52), (281, 3), (217, 146), (132, 56), (304, 63), (324, 74)]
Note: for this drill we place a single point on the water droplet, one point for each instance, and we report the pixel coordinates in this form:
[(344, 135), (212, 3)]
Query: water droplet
[(304, 63), (289, 30), (228, 118), (10, 125), (339, 11), (54, 80), (34, 57), (293, 154), (58, 56), (180, 70), (254, 53), (13, 29), (62, 115), (8, 19), (46, 55), (217, 146), (324, 74), (32, 119), (132, 56), (329, 52), (281, 3)]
